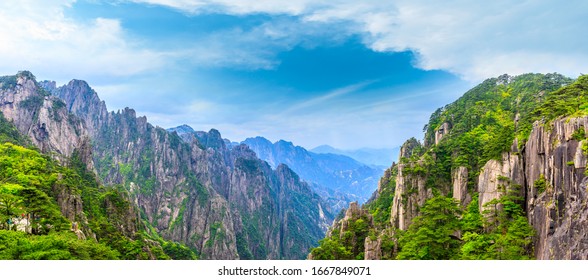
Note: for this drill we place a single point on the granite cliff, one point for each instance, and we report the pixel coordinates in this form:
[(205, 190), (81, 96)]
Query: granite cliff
[(511, 154), (219, 200)]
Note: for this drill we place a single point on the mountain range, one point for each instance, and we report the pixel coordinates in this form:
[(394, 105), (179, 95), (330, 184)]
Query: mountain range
[(337, 178), (380, 158), (220, 201), (500, 174)]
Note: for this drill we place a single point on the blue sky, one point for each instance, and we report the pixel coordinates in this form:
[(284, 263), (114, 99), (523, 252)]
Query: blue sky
[(346, 73)]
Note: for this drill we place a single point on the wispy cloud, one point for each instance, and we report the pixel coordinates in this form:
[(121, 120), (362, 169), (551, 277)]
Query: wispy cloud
[(321, 100), (37, 36), (470, 39)]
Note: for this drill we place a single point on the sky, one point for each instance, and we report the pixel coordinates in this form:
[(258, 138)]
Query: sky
[(345, 73)]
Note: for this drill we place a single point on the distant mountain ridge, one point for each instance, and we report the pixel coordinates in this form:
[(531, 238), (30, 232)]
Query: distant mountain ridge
[(374, 157), (338, 178)]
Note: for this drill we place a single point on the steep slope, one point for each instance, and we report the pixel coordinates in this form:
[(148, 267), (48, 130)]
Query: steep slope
[(39, 116), (58, 208), (503, 167), (338, 178), (223, 202)]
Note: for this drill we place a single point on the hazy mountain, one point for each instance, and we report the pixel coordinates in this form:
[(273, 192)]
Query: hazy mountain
[(338, 178), (375, 157)]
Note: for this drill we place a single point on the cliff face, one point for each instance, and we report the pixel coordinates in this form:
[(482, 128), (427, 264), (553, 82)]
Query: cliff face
[(95, 212), (221, 201), (505, 146), (558, 211), (41, 116), (498, 177), (45, 121)]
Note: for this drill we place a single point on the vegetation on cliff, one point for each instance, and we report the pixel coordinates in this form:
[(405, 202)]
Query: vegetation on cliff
[(53, 211), (489, 120)]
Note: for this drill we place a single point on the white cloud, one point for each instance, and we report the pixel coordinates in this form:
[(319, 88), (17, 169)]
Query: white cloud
[(37, 36), (472, 39), (258, 47)]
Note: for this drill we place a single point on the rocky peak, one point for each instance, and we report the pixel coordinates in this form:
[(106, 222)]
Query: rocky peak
[(182, 129), (79, 95), (258, 143), (407, 149), (243, 151), (460, 186), (504, 79), (82, 101), (40, 116), (49, 86), (211, 139)]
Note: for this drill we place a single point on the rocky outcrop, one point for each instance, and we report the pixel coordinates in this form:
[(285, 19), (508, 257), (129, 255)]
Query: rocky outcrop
[(41, 117), (409, 147), (373, 249), (352, 213), (409, 196), (548, 172), (44, 119), (499, 177), (558, 210), (460, 186), (410, 192), (441, 131)]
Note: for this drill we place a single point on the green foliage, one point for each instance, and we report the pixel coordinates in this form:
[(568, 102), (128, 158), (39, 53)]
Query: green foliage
[(571, 100), (472, 220), (430, 236), (180, 218), (242, 248), (332, 249), (7, 82), (540, 184), (579, 134), (29, 183), (348, 244), (507, 234), (380, 208), (34, 102), (249, 166), (125, 169), (9, 133), (177, 251), (56, 246)]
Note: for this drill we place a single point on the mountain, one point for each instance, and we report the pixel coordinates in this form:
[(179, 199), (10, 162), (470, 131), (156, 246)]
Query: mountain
[(53, 207), (372, 157), (339, 179), (501, 174), (220, 201)]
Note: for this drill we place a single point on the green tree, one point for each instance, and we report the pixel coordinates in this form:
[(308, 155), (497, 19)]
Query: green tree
[(331, 249), (431, 236), (44, 215), (507, 234)]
